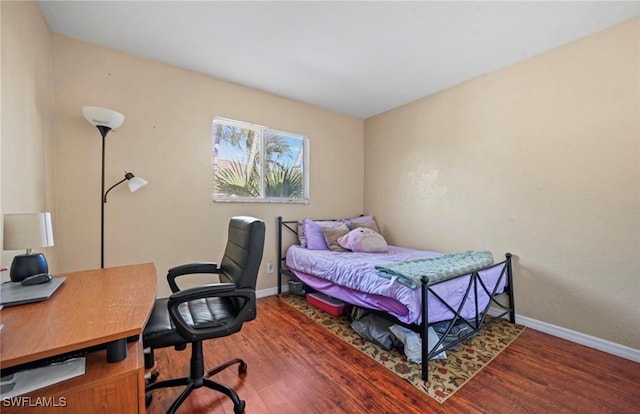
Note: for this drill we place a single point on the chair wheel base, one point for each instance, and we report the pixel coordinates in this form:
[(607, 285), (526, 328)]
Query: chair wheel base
[(242, 368)]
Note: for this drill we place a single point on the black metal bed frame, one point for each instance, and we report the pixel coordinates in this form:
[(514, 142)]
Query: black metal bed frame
[(475, 286)]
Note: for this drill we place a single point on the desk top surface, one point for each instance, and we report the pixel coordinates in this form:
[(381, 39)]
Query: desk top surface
[(90, 308)]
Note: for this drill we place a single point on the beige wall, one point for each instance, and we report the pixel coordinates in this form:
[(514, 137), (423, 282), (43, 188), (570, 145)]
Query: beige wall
[(541, 159), (27, 136), (166, 138)]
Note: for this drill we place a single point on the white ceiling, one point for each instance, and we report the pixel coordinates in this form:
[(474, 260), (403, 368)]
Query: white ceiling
[(354, 57)]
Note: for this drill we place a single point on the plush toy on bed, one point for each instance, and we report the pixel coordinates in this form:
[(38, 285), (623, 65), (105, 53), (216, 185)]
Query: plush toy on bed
[(363, 239)]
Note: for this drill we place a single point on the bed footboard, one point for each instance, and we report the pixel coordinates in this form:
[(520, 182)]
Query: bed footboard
[(475, 287)]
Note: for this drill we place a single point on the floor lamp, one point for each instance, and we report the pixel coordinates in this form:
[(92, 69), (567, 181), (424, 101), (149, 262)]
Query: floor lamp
[(106, 120)]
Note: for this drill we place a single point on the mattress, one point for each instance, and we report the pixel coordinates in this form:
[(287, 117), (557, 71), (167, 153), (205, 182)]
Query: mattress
[(351, 277)]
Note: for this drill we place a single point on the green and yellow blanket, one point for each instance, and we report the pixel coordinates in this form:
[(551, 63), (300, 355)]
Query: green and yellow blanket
[(436, 269)]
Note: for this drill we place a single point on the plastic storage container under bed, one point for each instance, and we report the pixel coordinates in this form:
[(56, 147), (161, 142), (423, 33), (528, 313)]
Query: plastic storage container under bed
[(326, 303)]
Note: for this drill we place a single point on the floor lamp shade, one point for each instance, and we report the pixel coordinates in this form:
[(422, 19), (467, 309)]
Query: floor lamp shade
[(26, 231), (103, 116)]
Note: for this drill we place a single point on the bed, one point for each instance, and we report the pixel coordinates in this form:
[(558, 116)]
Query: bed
[(354, 277)]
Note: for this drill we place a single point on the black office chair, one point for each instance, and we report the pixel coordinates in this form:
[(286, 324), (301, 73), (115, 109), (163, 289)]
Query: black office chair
[(209, 311)]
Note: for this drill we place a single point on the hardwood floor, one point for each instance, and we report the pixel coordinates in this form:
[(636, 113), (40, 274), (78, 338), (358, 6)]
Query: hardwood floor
[(298, 367)]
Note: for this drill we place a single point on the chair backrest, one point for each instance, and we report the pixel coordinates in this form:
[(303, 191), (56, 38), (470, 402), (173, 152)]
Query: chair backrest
[(243, 254)]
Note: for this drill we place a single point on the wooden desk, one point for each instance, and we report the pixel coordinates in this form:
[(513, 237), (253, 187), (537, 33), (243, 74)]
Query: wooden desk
[(91, 308)]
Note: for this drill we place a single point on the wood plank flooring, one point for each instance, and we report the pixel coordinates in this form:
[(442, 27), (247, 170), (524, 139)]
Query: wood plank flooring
[(298, 367)]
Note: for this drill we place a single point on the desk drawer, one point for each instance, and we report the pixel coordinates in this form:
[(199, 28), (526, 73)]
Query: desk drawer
[(104, 388)]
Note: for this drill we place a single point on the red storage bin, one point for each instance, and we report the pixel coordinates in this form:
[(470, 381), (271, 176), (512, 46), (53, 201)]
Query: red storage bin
[(328, 304)]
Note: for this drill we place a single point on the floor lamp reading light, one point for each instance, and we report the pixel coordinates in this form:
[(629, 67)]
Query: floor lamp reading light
[(106, 120)]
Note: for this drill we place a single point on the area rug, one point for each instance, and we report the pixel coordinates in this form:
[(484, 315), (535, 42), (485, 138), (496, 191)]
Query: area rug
[(446, 376)]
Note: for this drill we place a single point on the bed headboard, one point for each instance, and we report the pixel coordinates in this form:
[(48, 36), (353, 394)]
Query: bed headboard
[(287, 227)]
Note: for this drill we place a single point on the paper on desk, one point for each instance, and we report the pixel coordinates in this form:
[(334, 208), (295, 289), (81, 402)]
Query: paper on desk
[(29, 380)]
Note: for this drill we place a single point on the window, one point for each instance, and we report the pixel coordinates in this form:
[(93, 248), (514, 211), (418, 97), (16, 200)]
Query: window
[(255, 163)]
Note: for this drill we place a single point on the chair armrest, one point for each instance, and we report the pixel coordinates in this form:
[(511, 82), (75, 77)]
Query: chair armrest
[(201, 292), (189, 269), (191, 333)]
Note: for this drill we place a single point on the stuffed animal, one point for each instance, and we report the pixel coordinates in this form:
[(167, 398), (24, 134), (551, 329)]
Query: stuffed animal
[(363, 239)]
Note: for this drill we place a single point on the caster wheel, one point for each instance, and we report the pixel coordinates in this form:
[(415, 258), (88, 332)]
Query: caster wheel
[(242, 368), (239, 408), (147, 399), (151, 375), (154, 377)]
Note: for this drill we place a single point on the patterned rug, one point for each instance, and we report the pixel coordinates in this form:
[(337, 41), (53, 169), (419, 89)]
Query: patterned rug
[(446, 376)]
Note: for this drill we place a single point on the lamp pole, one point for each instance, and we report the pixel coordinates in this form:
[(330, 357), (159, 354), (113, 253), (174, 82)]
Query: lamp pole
[(104, 130)]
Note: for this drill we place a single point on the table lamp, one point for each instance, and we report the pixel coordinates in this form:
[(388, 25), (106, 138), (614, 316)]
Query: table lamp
[(26, 231)]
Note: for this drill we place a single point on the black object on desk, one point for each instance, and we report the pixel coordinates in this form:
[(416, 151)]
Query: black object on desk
[(36, 279)]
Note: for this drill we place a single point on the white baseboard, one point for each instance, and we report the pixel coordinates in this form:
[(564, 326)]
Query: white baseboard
[(577, 337), (271, 291), (581, 338)]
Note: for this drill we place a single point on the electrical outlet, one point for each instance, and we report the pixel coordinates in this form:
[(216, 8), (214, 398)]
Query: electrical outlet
[(269, 267)]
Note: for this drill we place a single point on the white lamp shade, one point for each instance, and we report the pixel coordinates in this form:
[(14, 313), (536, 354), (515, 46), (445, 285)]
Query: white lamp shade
[(136, 183), (103, 116), (26, 231)]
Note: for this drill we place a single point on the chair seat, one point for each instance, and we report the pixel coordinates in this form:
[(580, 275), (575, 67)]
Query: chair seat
[(161, 332)]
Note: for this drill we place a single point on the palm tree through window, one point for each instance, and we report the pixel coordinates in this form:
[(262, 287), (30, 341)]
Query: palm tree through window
[(255, 163)]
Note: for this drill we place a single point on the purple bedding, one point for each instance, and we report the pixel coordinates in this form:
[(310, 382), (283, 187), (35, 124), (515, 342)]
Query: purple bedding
[(351, 277)]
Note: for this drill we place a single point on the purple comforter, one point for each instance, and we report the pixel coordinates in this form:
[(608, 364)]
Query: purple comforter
[(351, 277)]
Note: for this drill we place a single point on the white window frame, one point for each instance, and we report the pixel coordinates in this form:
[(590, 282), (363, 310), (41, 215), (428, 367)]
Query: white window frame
[(259, 131)]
